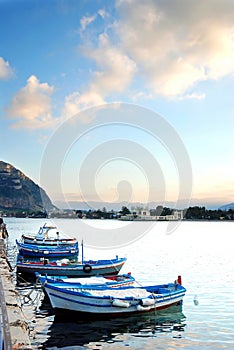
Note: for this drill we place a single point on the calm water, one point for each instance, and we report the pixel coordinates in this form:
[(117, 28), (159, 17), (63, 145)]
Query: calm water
[(201, 252)]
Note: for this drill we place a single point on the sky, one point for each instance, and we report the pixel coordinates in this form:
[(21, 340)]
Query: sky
[(112, 101)]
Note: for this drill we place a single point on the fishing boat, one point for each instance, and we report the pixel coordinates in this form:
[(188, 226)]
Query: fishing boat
[(47, 235), (68, 267), (71, 282), (104, 300), (51, 251)]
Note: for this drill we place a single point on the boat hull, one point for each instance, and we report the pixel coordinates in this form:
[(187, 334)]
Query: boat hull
[(27, 239), (47, 235), (40, 251), (65, 299), (88, 268)]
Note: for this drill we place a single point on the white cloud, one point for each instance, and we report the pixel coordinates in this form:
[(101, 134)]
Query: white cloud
[(176, 44), (5, 69), (31, 106), (103, 13), (170, 45), (115, 69), (76, 102), (113, 75), (85, 21), (195, 96)]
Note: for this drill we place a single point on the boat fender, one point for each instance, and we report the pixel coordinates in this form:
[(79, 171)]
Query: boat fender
[(142, 308), (120, 303), (87, 268), (147, 302)]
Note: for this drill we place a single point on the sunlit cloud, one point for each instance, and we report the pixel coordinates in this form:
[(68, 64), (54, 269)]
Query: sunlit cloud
[(6, 71), (171, 47), (178, 44), (113, 75), (115, 69), (76, 102), (31, 106)]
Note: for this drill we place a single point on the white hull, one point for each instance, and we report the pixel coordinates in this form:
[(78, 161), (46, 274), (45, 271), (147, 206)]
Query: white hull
[(132, 300)]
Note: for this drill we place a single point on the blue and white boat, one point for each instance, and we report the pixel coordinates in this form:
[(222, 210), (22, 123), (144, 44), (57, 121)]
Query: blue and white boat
[(47, 251), (95, 281), (49, 236), (104, 300), (72, 268)]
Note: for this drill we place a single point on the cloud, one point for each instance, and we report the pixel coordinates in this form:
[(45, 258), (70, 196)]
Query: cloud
[(177, 44), (103, 13), (31, 106), (76, 102), (113, 75), (85, 21), (195, 96), (115, 69), (170, 46), (6, 71)]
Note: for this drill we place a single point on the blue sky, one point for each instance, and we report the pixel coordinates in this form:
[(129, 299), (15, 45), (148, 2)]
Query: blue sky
[(59, 58)]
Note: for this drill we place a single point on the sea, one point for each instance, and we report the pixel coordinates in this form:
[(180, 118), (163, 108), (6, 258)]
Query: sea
[(202, 253)]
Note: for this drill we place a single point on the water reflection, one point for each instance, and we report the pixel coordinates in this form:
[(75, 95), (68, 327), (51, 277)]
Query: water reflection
[(69, 330)]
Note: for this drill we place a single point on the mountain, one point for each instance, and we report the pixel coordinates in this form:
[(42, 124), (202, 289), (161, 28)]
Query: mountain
[(18, 192), (227, 206)]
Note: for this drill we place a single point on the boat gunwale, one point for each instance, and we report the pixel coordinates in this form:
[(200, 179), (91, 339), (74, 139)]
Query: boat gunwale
[(176, 292), (106, 282)]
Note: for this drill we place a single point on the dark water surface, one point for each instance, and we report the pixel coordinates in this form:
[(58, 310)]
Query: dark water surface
[(202, 252)]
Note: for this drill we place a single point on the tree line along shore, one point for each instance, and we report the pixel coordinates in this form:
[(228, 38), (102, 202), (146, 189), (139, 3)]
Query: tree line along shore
[(159, 213)]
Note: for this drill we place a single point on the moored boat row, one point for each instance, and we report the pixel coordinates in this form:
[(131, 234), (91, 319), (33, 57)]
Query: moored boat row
[(59, 257), (104, 292)]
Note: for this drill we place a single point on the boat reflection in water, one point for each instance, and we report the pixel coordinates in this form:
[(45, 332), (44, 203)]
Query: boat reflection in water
[(69, 331)]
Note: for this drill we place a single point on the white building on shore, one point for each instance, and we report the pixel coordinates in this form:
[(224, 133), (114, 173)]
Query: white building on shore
[(144, 215)]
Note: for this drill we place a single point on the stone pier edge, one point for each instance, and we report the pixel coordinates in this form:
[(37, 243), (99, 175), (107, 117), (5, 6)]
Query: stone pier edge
[(15, 327)]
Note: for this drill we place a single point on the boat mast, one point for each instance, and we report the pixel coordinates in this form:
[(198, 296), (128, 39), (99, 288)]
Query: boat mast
[(82, 250)]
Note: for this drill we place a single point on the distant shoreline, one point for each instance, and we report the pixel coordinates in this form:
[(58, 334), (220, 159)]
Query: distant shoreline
[(163, 221)]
